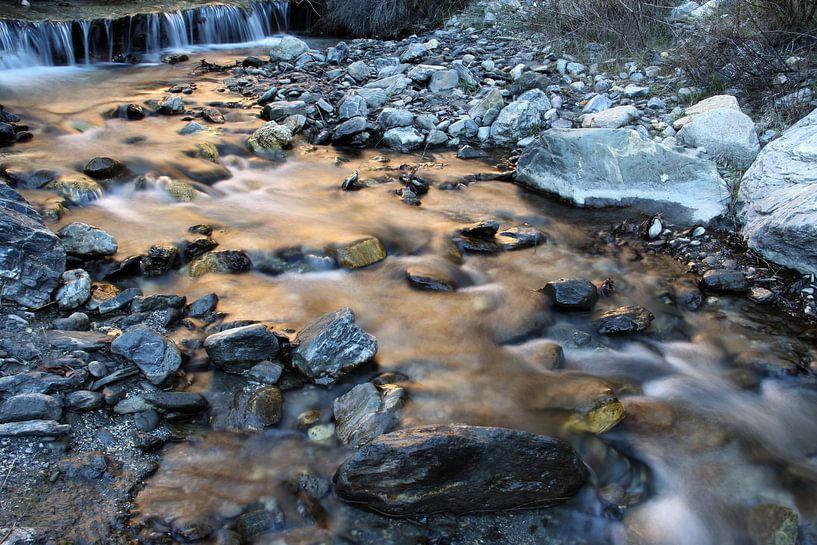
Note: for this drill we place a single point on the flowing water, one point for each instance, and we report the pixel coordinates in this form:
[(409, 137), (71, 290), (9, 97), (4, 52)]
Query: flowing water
[(720, 416)]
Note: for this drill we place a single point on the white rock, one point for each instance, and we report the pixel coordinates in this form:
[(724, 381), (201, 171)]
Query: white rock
[(725, 133)]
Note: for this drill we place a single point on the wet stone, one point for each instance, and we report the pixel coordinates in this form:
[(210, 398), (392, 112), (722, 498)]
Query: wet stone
[(34, 428), (266, 372), (87, 241), (203, 306), (518, 238), (571, 294), (83, 400), (78, 321), (238, 349), (429, 280), (75, 289), (254, 523), (332, 346), (725, 280), (199, 246), (687, 295), (177, 402), (158, 302), (159, 260), (257, 410), (43, 383), (30, 407), (771, 524), (223, 262), (367, 411), (156, 356), (460, 469), (119, 301), (360, 253), (482, 229), (89, 341), (103, 168), (146, 421), (624, 320)]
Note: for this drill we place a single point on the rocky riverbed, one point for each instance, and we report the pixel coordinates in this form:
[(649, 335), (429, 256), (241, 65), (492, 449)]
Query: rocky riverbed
[(322, 292)]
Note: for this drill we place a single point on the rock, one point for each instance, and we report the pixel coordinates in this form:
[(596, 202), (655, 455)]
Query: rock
[(360, 253), (403, 139), (762, 295), (623, 320), (32, 258), (267, 372), (612, 118), (213, 115), (270, 139), (203, 306), (332, 346), (444, 80), (460, 469), (414, 53), (597, 104), (30, 407), (366, 412), (238, 349), (683, 11), (103, 168), (337, 54), (78, 321), (39, 382), (348, 129), (222, 262), (34, 428), (177, 402), (777, 196), (353, 106), (156, 356), (261, 409), (170, 105), (725, 133), (7, 135), (390, 118), (87, 341), (771, 524), (687, 295), (619, 167), (523, 117), (469, 152), (83, 400), (278, 111), (717, 102), (75, 289), (117, 302), (359, 70), (288, 49), (635, 91), (424, 279), (157, 302), (571, 294), (724, 280), (192, 128), (375, 98), (492, 102), (77, 190), (86, 241), (160, 259), (519, 238)]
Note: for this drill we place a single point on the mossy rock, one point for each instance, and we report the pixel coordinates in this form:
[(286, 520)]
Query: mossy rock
[(360, 253), (78, 190), (601, 418), (208, 151), (269, 140), (180, 190), (224, 262)]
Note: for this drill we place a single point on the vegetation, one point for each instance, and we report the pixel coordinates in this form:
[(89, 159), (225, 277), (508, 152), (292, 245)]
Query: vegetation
[(384, 18)]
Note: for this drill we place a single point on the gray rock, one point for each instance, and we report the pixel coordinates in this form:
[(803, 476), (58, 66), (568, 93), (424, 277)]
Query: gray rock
[(619, 167), (725, 280), (236, 350), (598, 103), (421, 73), (170, 105), (392, 85), (257, 410), (157, 302), (34, 428), (612, 118), (403, 139), (41, 383), (777, 198), (725, 133), (519, 238), (30, 407), (523, 117), (683, 11), (635, 91), (349, 128), (623, 320), (571, 294), (119, 301), (390, 118), (75, 289), (444, 80), (78, 321), (177, 402), (83, 400), (338, 53), (192, 128), (375, 98), (353, 106), (203, 306), (278, 111), (493, 101), (85, 241), (332, 346), (460, 469), (288, 49), (463, 128), (360, 71), (32, 258), (160, 259), (88, 341), (414, 53), (155, 355), (267, 372), (103, 168), (367, 411)]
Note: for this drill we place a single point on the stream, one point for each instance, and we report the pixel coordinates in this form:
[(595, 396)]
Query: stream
[(719, 410)]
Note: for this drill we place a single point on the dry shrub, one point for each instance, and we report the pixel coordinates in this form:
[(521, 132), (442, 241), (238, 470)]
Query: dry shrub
[(619, 25), (384, 18)]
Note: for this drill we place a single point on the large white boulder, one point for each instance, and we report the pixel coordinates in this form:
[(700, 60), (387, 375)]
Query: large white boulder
[(725, 133)]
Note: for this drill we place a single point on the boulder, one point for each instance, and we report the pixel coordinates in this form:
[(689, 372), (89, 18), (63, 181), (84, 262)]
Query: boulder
[(390, 118), (278, 111), (403, 139), (170, 105), (32, 258), (602, 167), (444, 80), (332, 346), (624, 320), (492, 102), (160, 259), (724, 133), (270, 139), (460, 469), (612, 118), (86, 241), (414, 53), (360, 253), (571, 294), (523, 117), (103, 168), (778, 198), (359, 70), (725, 280), (77, 190), (288, 49), (34, 428), (32, 406), (155, 355), (222, 262), (238, 349), (367, 411)]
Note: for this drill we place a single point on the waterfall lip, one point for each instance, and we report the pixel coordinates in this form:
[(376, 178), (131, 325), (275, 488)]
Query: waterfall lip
[(91, 41)]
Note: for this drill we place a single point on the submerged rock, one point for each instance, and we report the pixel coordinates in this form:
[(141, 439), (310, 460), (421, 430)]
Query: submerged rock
[(460, 469), (85, 241), (77, 190), (170, 105), (223, 262), (360, 253), (367, 411), (259, 409), (771, 524), (624, 320), (155, 355), (103, 168), (619, 167), (238, 349), (332, 346), (159, 260), (571, 294)]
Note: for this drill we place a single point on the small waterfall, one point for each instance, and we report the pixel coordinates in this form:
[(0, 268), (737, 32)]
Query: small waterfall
[(45, 43)]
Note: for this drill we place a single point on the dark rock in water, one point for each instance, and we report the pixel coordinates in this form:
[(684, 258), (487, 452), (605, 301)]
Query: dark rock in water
[(278, 111), (83, 400), (359, 253), (460, 469), (772, 524), (224, 262), (170, 105), (725, 280), (85, 241), (470, 152), (267, 372), (332, 346), (349, 129), (424, 279), (687, 295), (32, 258), (156, 356), (482, 229), (252, 62), (203, 306), (201, 229), (7, 134), (518, 238), (258, 410), (198, 247), (77, 190), (103, 168), (624, 320), (367, 411), (34, 428), (566, 294), (8, 117), (238, 349), (476, 244), (30, 407), (213, 115), (177, 402), (134, 112), (119, 301), (160, 259), (156, 302), (24, 136)]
